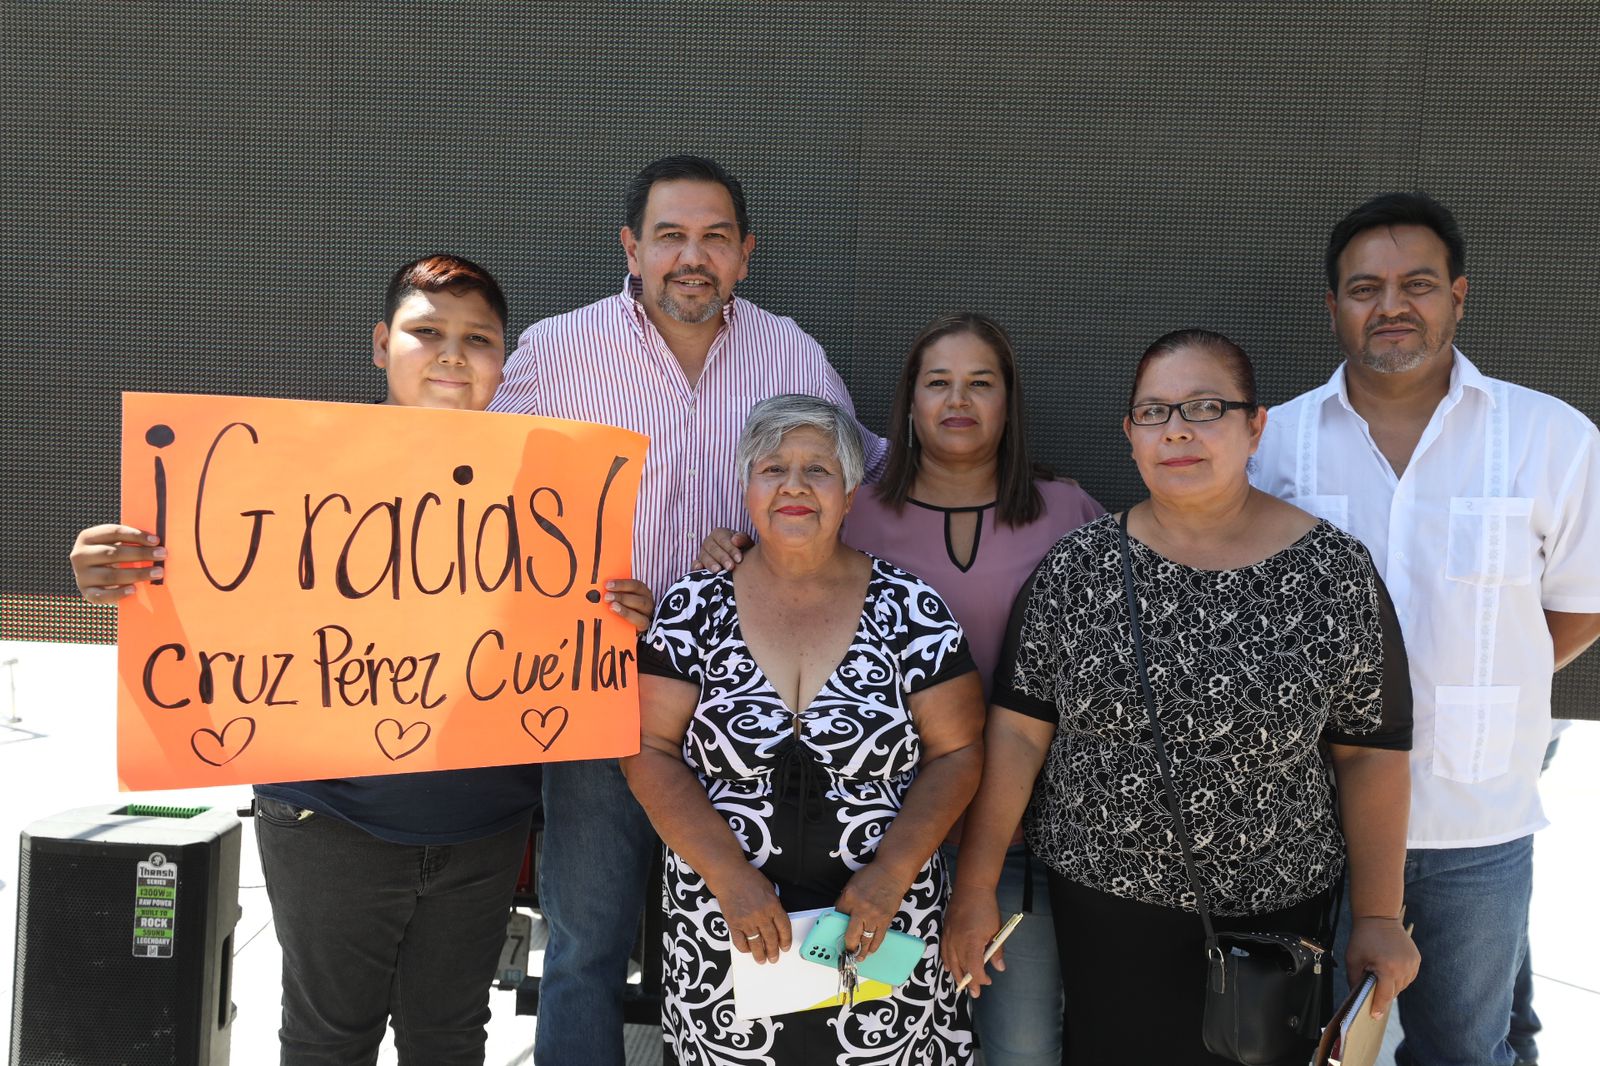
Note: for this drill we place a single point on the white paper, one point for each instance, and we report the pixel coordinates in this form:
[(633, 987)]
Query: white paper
[(791, 984)]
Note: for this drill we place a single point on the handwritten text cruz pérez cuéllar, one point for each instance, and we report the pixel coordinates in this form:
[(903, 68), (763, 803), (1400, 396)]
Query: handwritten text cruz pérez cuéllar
[(493, 552)]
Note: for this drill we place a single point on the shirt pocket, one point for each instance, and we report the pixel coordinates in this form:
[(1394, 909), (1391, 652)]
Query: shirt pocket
[(1490, 540), (1473, 731), (1335, 509)]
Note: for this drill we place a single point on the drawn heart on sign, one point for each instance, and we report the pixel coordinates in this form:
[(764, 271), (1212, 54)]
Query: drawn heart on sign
[(214, 747), (543, 729), (392, 737)]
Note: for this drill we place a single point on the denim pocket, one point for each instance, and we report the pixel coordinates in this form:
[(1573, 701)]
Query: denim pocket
[(1473, 731), (1490, 541), (279, 813)]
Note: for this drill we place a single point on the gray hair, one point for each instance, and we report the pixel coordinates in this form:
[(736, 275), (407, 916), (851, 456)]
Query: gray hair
[(772, 420)]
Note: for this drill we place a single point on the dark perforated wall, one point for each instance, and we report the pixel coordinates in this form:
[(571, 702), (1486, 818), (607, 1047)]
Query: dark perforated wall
[(208, 197)]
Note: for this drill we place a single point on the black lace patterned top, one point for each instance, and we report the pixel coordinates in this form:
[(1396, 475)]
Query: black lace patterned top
[(1251, 668)]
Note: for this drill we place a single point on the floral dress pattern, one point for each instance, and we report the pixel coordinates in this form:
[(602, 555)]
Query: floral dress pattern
[(1251, 668), (809, 797)]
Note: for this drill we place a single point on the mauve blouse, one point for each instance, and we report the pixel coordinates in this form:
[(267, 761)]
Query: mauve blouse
[(979, 594)]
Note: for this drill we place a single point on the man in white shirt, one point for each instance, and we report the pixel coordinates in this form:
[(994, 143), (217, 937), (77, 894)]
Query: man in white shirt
[(1480, 503)]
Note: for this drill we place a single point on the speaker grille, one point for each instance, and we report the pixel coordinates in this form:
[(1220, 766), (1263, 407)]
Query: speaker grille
[(81, 995)]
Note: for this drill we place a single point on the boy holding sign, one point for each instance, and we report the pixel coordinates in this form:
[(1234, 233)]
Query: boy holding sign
[(389, 893)]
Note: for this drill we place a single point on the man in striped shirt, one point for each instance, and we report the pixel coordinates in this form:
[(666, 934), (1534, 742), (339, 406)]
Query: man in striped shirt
[(676, 357)]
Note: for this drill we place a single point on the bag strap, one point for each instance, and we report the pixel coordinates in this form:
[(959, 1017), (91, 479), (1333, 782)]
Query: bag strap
[(1159, 741)]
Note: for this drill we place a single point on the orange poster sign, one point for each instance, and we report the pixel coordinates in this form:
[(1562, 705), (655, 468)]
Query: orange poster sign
[(359, 589)]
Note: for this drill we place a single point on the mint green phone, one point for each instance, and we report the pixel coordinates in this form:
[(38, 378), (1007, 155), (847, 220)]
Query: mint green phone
[(891, 964)]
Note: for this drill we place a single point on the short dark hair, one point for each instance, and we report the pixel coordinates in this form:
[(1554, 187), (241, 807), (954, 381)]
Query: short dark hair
[(442, 272), (1397, 209), (1211, 342), (1017, 498), (682, 168)]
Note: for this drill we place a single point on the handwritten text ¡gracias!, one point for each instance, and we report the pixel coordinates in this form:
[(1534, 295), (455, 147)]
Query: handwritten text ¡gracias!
[(497, 530), (341, 576)]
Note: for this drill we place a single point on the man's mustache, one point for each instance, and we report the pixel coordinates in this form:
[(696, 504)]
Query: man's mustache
[(1402, 320), (692, 272)]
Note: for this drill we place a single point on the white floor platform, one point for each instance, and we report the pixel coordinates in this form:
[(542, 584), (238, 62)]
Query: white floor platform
[(60, 755)]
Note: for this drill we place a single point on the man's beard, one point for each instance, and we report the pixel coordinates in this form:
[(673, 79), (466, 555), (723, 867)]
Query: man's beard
[(690, 314), (1403, 359)]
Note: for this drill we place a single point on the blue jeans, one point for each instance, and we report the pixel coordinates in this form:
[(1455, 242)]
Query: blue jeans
[(373, 931), (1470, 906), (1018, 1018), (1525, 1024), (592, 872)]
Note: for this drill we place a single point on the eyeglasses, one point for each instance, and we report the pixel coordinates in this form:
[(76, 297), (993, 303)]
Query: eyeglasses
[(1205, 409)]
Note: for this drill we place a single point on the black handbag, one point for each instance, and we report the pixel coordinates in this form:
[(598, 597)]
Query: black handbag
[(1266, 993)]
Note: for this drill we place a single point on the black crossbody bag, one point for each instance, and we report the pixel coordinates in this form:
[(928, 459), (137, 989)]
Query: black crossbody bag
[(1266, 993)]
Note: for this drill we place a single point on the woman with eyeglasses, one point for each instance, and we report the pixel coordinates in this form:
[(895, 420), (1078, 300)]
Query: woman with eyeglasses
[(1268, 639)]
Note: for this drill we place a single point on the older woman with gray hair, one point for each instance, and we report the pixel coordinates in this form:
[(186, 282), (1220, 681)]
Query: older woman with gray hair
[(812, 727)]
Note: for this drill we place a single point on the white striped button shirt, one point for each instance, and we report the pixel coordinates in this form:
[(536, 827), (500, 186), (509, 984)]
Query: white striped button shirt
[(607, 363)]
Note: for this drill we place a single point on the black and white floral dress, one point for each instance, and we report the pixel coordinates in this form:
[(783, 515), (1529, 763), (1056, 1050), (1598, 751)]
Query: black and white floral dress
[(810, 797), (1251, 669)]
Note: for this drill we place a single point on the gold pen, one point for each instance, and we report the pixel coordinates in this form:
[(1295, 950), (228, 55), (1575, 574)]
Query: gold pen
[(994, 946)]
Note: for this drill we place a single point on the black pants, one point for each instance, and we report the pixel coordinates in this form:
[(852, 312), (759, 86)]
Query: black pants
[(372, 930), (1135, 973)]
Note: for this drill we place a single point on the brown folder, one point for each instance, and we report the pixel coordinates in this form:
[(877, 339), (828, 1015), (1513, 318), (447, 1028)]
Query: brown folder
[(1353, 1036)]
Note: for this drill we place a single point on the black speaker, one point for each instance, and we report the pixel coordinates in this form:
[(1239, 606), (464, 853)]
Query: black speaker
[(125, 919)]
